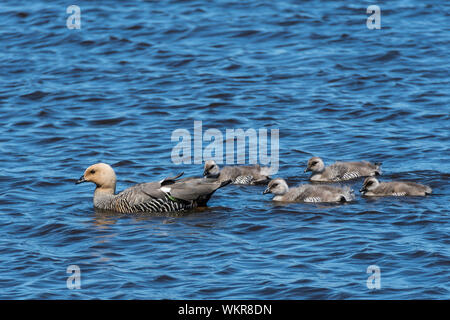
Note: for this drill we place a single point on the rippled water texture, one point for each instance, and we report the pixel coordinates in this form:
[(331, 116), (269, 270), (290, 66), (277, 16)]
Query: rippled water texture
[(115, 90)]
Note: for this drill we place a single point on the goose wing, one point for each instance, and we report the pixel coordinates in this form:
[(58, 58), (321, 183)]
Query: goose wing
[(194, 189), (144, 192)]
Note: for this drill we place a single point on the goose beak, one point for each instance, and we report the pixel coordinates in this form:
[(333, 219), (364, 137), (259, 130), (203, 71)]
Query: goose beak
[(205, 173), (362, 190), (266, 191), (81, 180), (306, 170)]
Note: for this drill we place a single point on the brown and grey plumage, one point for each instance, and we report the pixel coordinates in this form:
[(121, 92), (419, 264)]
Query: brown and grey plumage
[(167, 195), (308, 192), (238, 174), (341, 171), (373, 188)]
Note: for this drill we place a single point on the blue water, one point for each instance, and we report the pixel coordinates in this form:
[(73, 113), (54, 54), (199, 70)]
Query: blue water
[(116, 89)]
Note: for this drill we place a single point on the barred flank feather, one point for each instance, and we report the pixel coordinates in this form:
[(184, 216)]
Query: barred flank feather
[(374, 188), (243, 180), (160, 205), (251, 174)]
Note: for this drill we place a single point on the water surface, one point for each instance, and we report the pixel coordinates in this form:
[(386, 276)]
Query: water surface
[(115, 90)]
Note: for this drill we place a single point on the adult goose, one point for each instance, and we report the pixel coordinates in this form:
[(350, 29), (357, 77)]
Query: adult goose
[(167, 195)]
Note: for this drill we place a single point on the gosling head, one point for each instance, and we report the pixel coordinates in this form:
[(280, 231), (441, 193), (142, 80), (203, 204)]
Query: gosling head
[(277, 186), (315, 164), (369, 184), (102, 175), (211, 169)]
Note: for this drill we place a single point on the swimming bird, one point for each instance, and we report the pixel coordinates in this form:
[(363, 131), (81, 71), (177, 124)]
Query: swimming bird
[(238, 174), (373, 188), (167, 195), (308, 192), (341, 171)]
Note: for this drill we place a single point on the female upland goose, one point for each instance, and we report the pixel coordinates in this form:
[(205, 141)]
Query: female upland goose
[(373, 188), (308, 192), (237, 174), (341, 171), (167, 195)]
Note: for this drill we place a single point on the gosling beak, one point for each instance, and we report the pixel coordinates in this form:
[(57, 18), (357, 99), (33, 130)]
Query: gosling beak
[(307, 169), (81, 180), (266, 191), (362, 190), (205, 173)]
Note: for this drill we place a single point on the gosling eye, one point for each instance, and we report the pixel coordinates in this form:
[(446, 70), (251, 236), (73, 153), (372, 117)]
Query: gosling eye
[(92, 171), (313, 163), (369, 183)]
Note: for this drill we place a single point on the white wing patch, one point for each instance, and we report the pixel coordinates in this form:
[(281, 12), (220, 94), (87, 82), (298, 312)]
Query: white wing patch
[(399, 194), (165, 189)]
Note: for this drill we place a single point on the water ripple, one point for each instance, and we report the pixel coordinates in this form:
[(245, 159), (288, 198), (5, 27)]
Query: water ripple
[(115, 91)]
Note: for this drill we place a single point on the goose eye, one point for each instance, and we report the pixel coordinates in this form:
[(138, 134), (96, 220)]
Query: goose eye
[(369, 183), (92, 171), (313, 163)]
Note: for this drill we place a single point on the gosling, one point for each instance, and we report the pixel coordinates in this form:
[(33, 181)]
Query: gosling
[(373, 188), (237, 174), (341, 171), (308, 192)]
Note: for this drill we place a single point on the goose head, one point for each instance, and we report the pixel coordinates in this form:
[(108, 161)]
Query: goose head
[(102, 175)]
